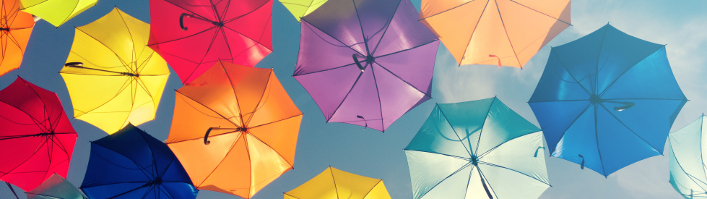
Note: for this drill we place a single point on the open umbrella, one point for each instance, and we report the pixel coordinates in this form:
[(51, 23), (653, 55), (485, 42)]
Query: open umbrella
[(234, 129), (688, 174), (300, 8), (477, 149), (36, 137), (56, 187), (15, 28), (495, 32), (607, 100), (56, 12), (192, 35), (366, 62), (113, 79), (132, 164), (334, 183)]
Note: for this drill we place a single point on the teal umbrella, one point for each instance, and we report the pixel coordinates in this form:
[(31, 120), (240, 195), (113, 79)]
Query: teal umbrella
[(55, 187), (477, 149), (687, 167)]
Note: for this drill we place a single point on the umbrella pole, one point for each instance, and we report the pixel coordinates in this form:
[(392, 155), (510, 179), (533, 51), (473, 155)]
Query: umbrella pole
[(11, 189), (485, 187)]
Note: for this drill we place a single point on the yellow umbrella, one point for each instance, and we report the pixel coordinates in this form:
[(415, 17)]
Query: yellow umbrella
[(56, 12), (334, 183), (301, 8), (112, 76)]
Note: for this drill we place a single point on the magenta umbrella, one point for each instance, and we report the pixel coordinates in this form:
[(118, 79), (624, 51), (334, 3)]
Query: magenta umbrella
[(366, 62)]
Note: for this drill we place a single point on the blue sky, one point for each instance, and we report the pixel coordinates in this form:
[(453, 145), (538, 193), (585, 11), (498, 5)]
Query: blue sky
[(379, 155)]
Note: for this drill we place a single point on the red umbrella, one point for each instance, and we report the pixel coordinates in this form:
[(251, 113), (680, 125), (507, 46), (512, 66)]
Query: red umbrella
[(192, 35), (36, 137)]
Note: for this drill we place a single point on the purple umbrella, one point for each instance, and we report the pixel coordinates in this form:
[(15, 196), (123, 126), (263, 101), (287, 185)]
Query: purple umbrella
[(366, 62)]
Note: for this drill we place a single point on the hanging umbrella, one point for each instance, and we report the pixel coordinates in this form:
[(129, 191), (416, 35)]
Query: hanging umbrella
[(234, 129), (509, 34), (113, 79), (366, 62), (56, 187), (687, 172), (300, 8), (133, 164), (36, 137), (335, 183), (15, 29), (193, 35), (607, 100), (477, 149), (56, 12)]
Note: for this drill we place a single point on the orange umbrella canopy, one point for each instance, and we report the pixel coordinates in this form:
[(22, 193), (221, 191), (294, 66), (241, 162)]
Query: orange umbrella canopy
[(495, 32), (15, 29), (234, 129)]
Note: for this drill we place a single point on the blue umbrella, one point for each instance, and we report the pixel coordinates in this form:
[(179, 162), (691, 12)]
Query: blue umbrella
[(607, 100), (133, 164)]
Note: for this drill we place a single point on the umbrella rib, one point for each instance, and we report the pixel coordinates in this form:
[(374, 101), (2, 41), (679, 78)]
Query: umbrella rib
[(108, 184), (579, 100), (166, 193), (363, 34), (225, 38), (481, 129), (468, 150), (122, 88), (412, 48), (238, 17), (450, 175), (233, 88), (380, 104), (230, 149), (596, 75), (331, 170), (622, 74), (499, 145), (568, 72), (315, 33), (29, 157), (507, 36), (139, 168), (88, 61), (263, 97), (152, 188), (132, 40), (474, 31), (211, 44), (295, 75), (596, 135), (72, 10), (34, 120), (386, 26), (154, 163), (222, 117), (193, 13), (460, 5), (490, 189), (291, 195), (692, 178), (541, 12), (185, 37), (346, 96), (622, 123), (277, 152), (640, 99), (437, 153), (374, 186), (104, 45), (401, 79), (468, 181), (499, 166)]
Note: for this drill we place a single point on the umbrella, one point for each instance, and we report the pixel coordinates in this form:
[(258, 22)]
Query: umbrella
[(607, 100), (56, 12), (509, 34), (133, 164), (36, 137), (687, 172), (15, 29), (56, 187), (234, 129), (300, 8), (113, 79), (477, 149), (335, 183), (192, 35), (366, 62)]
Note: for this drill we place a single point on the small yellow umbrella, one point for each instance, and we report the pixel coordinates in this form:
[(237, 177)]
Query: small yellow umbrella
[(301, 8), (112, 76), (333, 183), (56, 12)]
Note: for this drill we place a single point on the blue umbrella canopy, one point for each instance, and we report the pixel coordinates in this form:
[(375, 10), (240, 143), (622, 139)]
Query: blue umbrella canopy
[(607, 100), (477, 149), (687, 166), (133, 164)]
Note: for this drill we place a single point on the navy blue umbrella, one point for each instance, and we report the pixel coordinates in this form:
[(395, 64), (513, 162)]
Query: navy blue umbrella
[(133, 164), (607, 100)]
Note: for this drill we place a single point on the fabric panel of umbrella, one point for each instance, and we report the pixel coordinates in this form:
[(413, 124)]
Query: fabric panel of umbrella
[(687, 172), (334, 183), (301, 8), (56, 187), (56, 12), (15, 29)]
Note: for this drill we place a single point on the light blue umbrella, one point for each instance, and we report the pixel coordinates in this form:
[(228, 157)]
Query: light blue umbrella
[(56, 187), (477, 149), (607, 100), (687, 166)]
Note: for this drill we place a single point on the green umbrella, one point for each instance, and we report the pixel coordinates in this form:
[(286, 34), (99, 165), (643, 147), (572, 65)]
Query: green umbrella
[(56, 187)]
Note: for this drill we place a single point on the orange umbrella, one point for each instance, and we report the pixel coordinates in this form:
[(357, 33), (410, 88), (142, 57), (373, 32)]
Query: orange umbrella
[(234, 129), (15, 29), (495, 32)]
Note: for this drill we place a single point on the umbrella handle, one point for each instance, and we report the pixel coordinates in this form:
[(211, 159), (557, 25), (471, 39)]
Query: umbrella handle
[(538, 149), (358, 63), (206, 137), (581, 165), (488, 193), (181, 21), (364, 120)]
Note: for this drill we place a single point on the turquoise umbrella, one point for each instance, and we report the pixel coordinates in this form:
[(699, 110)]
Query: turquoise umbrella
[(55, 187), (477, 149), (687, 167)]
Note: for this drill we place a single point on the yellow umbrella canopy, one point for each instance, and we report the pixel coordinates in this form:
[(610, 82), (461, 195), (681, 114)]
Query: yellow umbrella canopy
[(112, 76), (333, 183), (56, 12), (301, 8)]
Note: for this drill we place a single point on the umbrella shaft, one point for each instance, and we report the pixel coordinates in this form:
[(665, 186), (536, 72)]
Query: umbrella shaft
[(486, 188), (81, 67)]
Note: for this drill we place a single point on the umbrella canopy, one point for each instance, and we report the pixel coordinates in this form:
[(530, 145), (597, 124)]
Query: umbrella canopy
[(56, 12), (509, 34), (235, 129), (15, 28), (687, 172), (366, 62), (335, 183), (300, 8), (133, 164), (192, 35), (607, 100), (36, 137), (56, 187), (477, 149), (113, 79)]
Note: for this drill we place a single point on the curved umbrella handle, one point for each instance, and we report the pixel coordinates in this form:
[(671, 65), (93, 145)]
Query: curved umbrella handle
[(206, 136), (364, 120), (358, 63), (538, 149), (74, 64), (581, 165), (181, 21)]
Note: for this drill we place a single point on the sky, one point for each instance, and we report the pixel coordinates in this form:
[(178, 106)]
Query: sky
[(379, 155)]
